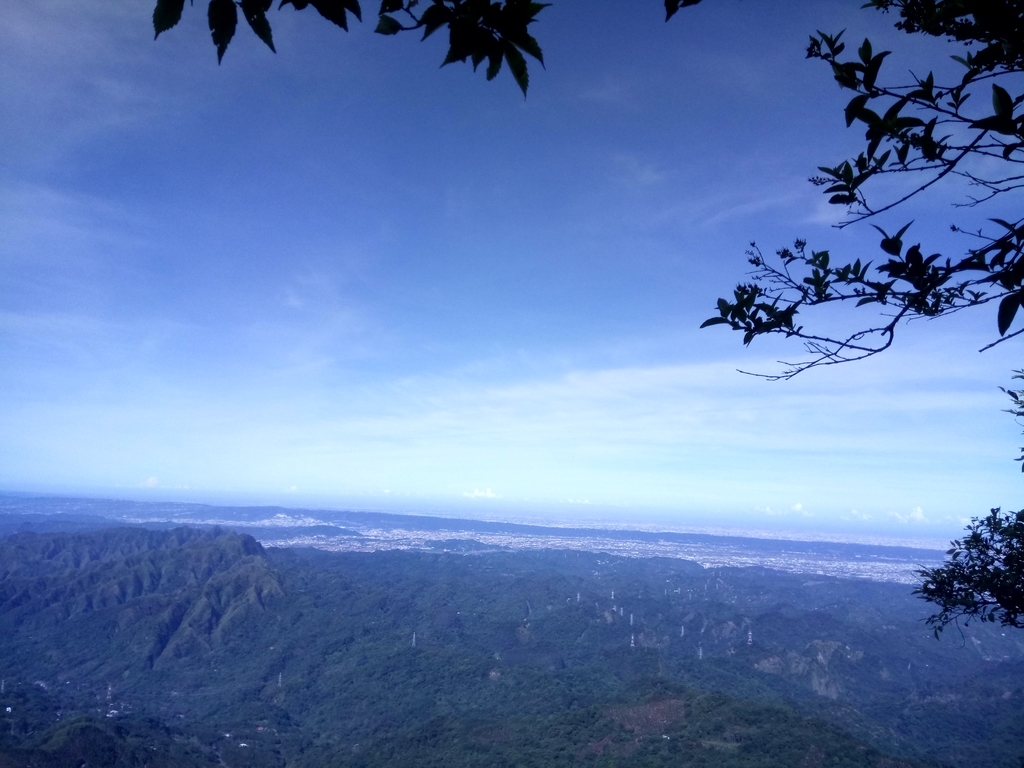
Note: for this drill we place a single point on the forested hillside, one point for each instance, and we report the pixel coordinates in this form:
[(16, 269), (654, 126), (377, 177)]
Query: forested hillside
[(189, 647)]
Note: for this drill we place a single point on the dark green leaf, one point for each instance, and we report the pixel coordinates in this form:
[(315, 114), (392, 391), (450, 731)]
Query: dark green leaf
[(387, 26), (893, 245), (353, 8), (865, 51), (1007, 310), (494, 65), (998, 123), (530, 46), (517, 64), (166, 14), (222, 16), (892, 112), (671, 6), (255, 13), (1001, 102), (435, 17), (854, 108), (335, 11), (871, 70)]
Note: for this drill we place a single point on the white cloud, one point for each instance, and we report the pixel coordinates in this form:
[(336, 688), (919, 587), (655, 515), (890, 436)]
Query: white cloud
[(691, 438), (637, 173), (916, 515), (149, 482)]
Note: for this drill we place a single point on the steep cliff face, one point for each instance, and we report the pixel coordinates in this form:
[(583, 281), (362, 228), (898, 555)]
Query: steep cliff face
[(812, 666), (158, 594)]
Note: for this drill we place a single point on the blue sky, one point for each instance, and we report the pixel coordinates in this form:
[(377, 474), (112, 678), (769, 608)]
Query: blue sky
[(342, 276)]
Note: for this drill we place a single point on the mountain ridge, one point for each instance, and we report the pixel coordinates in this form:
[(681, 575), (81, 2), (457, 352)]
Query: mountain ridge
[(320, 658)]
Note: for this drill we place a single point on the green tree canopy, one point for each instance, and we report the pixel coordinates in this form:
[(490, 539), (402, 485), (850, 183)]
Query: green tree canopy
[(984, 576)]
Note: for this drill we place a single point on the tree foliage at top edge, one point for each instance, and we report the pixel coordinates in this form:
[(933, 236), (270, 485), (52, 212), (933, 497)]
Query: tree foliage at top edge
[(478, 30)]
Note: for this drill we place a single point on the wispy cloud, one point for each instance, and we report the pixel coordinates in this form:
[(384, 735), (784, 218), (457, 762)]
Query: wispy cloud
[(71, 70), (476, 493), (637, 173), (691, 437), (609, 93)]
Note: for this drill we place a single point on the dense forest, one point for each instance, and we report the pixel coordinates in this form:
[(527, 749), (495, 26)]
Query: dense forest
[(187, 647)]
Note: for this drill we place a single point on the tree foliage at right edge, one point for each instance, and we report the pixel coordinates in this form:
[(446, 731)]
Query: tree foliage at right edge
[(984, 576), (922, 129)]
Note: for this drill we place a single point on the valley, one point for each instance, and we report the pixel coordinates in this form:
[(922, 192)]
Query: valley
[(196, 642)]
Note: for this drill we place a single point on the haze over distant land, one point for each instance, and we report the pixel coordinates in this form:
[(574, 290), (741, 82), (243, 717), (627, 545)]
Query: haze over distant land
[(913, 530), (369, 531), (408, 289)]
